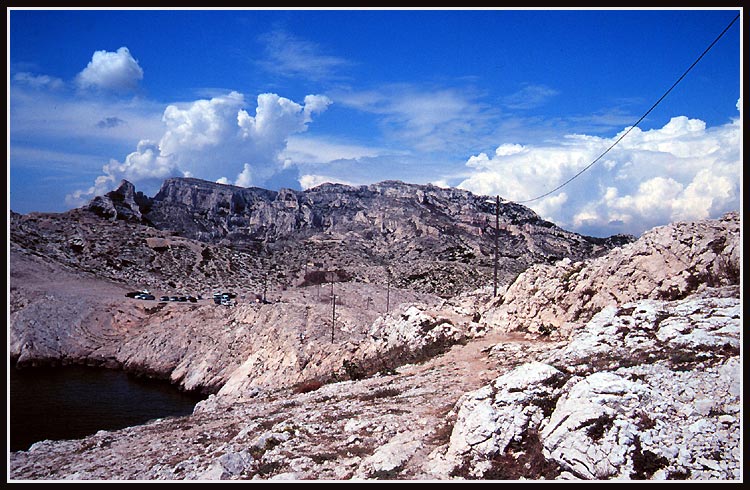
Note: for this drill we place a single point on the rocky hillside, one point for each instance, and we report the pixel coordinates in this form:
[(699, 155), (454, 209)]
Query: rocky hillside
[(639, 378), (196, 237), (130, 254), (419, 237), (668, 262)]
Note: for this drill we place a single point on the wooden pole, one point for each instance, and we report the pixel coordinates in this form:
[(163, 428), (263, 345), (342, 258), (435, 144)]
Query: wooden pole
[(497, 237), (333, 317), (388, 294)]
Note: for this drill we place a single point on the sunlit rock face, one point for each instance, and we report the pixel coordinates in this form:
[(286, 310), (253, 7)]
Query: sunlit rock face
[(647, 390), (667, 262)]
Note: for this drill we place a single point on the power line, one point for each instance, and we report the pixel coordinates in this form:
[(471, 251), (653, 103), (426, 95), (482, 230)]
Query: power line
[(639, 120)]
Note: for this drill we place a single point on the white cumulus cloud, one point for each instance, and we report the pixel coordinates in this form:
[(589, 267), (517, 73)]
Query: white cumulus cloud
[(113, 71), (209, 138), (245, 178), (681, 171), (145, 164)]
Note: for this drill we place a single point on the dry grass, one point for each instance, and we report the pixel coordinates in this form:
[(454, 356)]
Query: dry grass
[(380, 393)]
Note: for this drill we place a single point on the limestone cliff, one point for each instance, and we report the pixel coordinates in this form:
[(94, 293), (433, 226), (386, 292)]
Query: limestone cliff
[(421, 236)]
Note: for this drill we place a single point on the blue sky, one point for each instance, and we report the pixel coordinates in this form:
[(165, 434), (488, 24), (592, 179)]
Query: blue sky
[(509, 102)]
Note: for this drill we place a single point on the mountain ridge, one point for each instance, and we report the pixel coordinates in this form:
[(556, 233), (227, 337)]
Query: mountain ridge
[(418, 234)]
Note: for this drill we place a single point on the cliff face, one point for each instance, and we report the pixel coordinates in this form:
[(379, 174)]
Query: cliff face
[(424, 237)]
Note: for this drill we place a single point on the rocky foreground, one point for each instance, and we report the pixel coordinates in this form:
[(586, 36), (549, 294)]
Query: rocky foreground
[(625, 367)]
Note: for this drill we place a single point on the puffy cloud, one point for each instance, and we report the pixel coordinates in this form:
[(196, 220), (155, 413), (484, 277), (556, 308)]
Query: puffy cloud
[(114, 71), (145, 164), (244, 178), (203, 123), (682, 171), (276, 118), (507, 150), (708, 194), (208, 137), (315, 104)]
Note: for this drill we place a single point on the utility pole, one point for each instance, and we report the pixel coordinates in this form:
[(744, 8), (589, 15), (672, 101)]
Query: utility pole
[(333, 317), (497, 237), (388, 293)]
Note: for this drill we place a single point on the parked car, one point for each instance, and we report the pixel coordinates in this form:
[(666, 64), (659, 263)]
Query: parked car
[(143, 294), (164, 298)]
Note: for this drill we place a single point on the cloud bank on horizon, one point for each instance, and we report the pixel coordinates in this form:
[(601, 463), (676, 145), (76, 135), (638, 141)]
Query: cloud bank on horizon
[(680, 172), (426, 133)]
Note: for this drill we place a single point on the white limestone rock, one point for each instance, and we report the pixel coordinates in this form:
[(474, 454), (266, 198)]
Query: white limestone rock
[(490, 418)]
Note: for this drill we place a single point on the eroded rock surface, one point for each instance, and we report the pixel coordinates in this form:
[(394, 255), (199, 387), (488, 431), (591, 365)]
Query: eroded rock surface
[(668, 262), (649, 390), (420, 237)]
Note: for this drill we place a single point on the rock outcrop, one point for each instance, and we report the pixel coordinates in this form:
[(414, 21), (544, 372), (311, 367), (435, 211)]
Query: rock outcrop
[(122, 203), (647, 390), (668, 262)]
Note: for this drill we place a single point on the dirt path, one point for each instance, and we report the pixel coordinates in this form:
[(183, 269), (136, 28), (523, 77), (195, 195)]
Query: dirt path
[(462, 369)]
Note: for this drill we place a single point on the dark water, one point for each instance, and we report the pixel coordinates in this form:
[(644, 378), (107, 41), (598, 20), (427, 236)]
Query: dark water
[(76, 401)]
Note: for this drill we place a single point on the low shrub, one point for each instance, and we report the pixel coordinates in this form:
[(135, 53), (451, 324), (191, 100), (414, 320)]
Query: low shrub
[(307, 386)]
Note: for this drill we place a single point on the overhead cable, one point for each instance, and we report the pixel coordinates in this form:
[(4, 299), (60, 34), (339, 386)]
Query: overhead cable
[(639, 120)]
